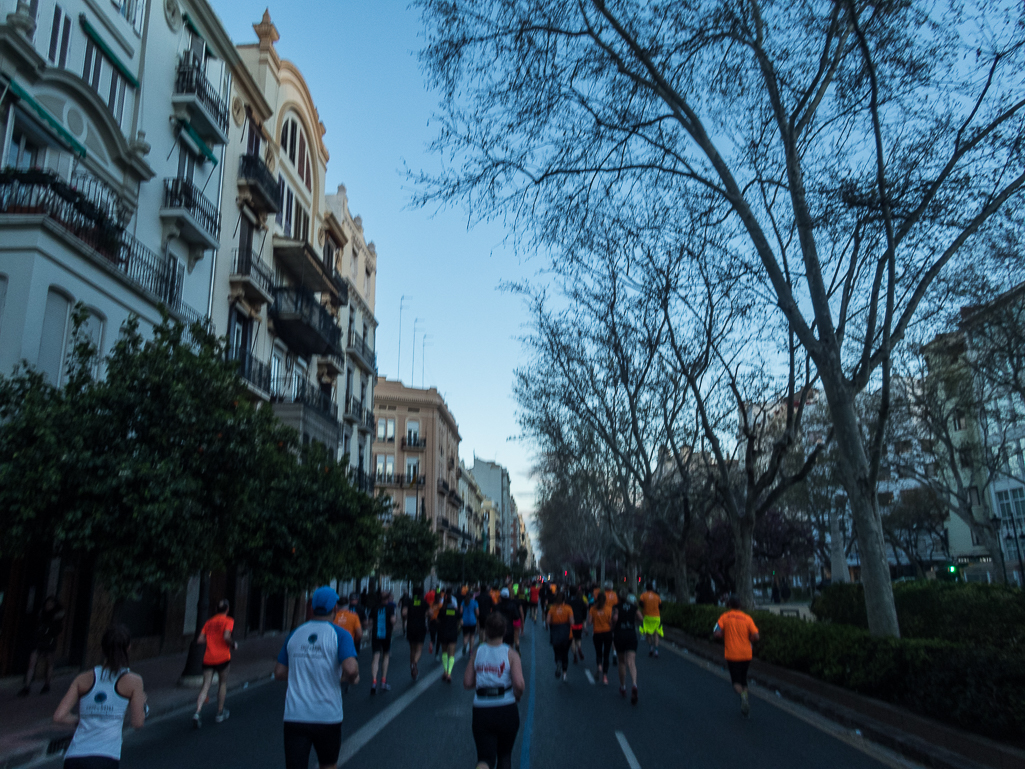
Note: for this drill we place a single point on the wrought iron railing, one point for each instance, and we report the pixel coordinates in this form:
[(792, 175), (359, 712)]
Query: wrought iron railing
[(289, 300), (253, 370), (248, 263), (192, 80), (295, 389), (359, 345), (412, 441), (255, 171), (182, 193)]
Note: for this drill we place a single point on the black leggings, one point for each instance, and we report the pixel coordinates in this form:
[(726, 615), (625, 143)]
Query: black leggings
[(602, 649), (325, 739), (494, 732), (562, 653)]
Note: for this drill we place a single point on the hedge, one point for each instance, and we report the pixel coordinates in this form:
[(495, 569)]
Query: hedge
[(975, 688), (972, 613)]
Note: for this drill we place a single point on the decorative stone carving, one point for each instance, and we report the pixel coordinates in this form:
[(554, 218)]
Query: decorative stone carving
[(23, 20), (139, 145), (173, 14), (271, 163), (238, 111)]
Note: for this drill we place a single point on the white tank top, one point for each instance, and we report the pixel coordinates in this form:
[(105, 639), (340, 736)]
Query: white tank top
[(101, 713), (492, 667)]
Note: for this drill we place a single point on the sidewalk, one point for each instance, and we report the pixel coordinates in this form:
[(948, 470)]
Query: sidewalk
[(26, 726), (799, 610), (923, 740)]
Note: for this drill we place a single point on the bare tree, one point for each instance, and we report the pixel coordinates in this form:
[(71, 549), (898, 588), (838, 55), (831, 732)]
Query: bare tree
[(854, 153)]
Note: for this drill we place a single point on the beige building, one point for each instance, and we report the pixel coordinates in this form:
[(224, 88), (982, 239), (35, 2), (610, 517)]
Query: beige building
[(416, 456)]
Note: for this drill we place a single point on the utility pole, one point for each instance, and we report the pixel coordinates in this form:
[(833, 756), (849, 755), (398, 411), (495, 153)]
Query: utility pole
[(398, 367), (412, 368), (423, 358)]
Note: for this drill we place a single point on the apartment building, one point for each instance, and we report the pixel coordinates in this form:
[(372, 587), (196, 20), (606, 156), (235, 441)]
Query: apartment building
[(471, 516), (493, 479), (301, 330), (416, 456)]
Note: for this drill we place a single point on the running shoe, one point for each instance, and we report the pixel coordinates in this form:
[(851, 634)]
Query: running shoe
[(196, 720), (414, 671), (385, 687), (605, 680), (745, 705), (622, 692), (220, 718), (558, 671), (373, 688), (651, 652), (633, 696), (656, 653)]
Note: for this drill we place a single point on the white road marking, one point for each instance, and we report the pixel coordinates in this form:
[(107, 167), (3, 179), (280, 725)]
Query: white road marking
[(371, 728), (590, 677), (631, 759)]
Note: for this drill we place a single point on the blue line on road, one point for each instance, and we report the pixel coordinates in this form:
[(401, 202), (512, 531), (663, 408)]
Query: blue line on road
[(525, 752)]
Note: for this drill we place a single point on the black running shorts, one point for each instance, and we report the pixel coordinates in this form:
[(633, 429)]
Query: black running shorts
[(326, 739), (218, 668), (738, 671), (380, 645)]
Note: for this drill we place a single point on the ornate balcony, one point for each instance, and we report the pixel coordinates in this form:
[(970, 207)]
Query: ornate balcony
[(298, 258), (258, 185), (362, 352), (352, 409), (303, 405), (255, 372), (303, 322), (197, 219), (413, 442), (251, 278), (196, 100)]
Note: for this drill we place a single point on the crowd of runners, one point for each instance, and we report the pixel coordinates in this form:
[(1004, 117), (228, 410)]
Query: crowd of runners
[(319, 660)]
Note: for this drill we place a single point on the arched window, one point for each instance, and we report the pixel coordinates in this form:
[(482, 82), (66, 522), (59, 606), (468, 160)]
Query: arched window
[(296, 149)]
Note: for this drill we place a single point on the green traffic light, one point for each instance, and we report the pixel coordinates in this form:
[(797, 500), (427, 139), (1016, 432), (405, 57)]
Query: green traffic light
[(952, 569)]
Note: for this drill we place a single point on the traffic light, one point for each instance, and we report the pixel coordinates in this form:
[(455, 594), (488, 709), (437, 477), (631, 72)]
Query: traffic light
[(952, 569)]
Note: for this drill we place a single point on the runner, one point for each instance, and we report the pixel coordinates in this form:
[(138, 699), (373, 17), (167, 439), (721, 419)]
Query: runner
[(496, 674), (651, 606), (611, 599), (507, 608), (579, 607), (357, 608), (382, 621), (102, 694), (316, 660), (559, 621), (535, 595), (738, 630), (517, 599), (349, 621), (44, 644), (435, 647), (485, 605), (471, 613), (625, 618), (448, 634), (599, 617), (416, 628), (216, 634), (404, 603)]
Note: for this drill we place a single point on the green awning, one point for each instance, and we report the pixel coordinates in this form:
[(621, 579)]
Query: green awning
[(207, 152), (102, 45), (192, 26), (48, 118)]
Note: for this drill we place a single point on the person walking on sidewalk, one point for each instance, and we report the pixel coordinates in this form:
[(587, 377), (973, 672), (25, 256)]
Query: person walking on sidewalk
[(382, 622), (316, 660), (103, 694), (216, 634), (738, 631), (625, 619), (559, 621), (599, 617), (651, 607), (44, 644), (415, 616), (495, 674)]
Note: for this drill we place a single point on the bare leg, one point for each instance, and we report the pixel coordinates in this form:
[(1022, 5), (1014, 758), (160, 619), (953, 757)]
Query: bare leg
[(415, 650), (622, 670), (208, 677), (373, 666), (33, 658), (631, 664), (384, 666), (222, 689)]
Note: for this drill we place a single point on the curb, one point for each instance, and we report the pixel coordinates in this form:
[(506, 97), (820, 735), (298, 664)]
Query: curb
[(50, 750), (904, 743)]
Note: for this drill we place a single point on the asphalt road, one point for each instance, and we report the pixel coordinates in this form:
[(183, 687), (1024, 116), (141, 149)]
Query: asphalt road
[(687, 718)]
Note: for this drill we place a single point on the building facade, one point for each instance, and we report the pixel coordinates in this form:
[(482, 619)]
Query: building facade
[(493, 479), (416, 456)]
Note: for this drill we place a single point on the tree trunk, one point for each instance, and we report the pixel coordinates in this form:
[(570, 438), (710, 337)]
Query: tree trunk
[(991, 540), (854, 472), (193, 674), (743, 565), (680, 573), (838, 570)]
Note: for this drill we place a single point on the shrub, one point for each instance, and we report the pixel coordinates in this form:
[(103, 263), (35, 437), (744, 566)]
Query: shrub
[(975, 688), (972, 613)]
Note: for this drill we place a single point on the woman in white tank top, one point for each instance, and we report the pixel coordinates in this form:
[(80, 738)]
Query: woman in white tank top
[(495, 673), (103, 695)]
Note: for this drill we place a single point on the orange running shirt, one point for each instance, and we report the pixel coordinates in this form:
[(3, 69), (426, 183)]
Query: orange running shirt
[(611, 599), (435, 610), (348, 621), (601, 618), (217, 650), (737, 629), (560, 614), (650, 603)]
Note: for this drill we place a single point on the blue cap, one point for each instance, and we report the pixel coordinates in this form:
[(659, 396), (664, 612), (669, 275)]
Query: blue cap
[(324, 600)]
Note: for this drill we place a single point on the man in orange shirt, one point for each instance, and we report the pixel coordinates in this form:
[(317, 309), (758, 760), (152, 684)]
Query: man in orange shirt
[(349, 621), (738, 631), (651, 606), (216, 634)]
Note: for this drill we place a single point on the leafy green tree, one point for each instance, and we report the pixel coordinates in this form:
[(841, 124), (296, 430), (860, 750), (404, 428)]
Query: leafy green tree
[(409, 549)]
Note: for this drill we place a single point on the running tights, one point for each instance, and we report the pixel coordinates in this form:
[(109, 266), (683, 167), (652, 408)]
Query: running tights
[(562, 653), (494, 732), (602, 649)]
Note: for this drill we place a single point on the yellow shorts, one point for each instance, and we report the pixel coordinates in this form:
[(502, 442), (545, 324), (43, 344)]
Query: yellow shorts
[(652, 625)]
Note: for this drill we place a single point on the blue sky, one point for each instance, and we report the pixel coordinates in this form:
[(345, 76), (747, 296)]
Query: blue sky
[(359, 60)]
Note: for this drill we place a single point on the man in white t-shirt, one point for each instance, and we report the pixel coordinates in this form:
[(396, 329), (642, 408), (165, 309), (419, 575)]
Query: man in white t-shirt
[(316, 660)]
